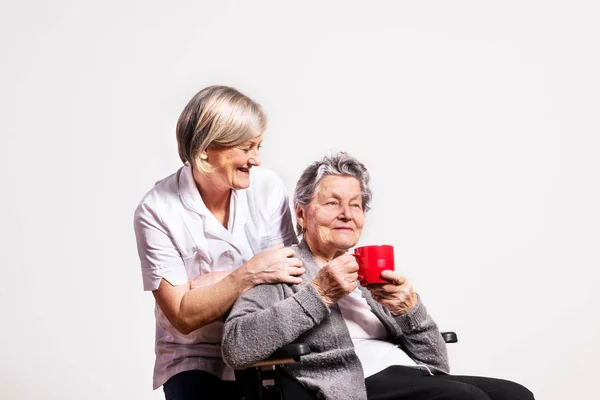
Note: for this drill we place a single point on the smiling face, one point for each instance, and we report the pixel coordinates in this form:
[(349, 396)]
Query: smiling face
[(334, 218), (232, 164)]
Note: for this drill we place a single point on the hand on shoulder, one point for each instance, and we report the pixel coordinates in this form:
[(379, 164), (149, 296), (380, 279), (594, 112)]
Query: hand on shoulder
[(276, 264)]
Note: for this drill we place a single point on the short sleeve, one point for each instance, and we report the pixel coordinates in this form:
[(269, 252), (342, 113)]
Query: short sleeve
[(159, 257), (281, 226)]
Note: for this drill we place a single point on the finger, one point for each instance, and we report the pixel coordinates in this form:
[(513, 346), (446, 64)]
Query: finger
[(296, 271), (334, 266), (346, 257), (348, 286), (393, 277), (291, 279), (293, 262), (373, 285), (377, 298), (351, 265), (382, 287), (373, 288), (391, 288), (377, 294), (276, 247), (345, 266), (349, 270), (286, 252), (385, 290)]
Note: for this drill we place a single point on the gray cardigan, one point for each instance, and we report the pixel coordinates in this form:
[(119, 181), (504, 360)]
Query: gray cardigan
[(270, 316)]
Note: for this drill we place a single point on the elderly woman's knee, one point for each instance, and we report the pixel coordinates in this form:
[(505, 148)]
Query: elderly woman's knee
[(509, 390), (460, 391), (496, 389)]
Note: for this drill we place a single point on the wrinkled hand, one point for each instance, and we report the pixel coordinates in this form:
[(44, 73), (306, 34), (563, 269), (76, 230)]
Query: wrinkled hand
[(337, 278), (397, 296), (208, 279), (273, 265)]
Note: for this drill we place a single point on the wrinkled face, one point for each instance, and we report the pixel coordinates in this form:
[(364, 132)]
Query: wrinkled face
[(334, 219), (232, 164)]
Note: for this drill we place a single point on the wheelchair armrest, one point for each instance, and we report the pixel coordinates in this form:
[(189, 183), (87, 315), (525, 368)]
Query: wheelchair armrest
[(292, 352), (285, 355), (450, 337)]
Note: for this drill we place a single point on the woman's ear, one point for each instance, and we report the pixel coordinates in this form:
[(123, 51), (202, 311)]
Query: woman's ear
[(300, 216), (201, 160)]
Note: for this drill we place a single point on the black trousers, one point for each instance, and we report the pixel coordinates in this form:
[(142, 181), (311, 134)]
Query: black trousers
[(199, 385), (393, 383), (404, 383)]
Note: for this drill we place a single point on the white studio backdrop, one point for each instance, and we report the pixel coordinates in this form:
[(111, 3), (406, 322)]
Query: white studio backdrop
[(477, 120)]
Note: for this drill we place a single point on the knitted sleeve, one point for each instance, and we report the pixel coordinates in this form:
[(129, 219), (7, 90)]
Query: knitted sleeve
[(422, 339), (416, 332), (267, 317)]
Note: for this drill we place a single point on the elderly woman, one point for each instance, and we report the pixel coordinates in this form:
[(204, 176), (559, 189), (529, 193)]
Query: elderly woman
[(208, 233), (375, 342)]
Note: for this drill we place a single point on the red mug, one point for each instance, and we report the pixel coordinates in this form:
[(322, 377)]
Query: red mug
[(372, 261)]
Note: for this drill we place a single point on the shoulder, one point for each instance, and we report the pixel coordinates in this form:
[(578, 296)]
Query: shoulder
[(163, 193), (303, 252)]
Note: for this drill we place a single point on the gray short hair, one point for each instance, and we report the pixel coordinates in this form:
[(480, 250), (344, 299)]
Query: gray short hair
[(339, 164)]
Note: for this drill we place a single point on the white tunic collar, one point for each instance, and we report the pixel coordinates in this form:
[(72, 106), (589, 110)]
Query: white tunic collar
[(239, 212)]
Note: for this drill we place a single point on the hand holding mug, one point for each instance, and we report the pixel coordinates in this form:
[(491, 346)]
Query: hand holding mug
[(397, 295), (337, 278)]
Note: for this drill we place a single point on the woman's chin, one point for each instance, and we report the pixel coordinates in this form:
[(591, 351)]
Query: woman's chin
[(242, 180), (241, 184), (345, 243)]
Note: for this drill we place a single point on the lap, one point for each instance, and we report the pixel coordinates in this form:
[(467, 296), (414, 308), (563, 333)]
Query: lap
[(496, 389), (404, 383), (199, 385)]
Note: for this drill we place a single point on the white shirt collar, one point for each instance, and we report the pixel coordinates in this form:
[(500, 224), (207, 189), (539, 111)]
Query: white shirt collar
[(188, 191), (239, 209)]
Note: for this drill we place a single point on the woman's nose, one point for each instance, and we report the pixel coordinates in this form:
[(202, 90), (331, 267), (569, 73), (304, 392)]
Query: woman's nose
[(255, 160), (345, 213)]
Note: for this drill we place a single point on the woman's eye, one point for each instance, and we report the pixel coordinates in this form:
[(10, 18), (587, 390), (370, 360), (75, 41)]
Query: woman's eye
[(249, 149), (356, 206), (332, 203)]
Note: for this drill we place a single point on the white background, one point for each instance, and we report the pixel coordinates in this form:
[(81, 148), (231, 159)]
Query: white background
[(478, 121)]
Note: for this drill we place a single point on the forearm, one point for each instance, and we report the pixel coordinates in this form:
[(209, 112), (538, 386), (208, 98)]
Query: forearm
[(191, 309), (203, 305), (262, 321)]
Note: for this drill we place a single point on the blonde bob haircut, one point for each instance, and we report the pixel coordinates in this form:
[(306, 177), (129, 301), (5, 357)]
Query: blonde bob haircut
[(217, 116)]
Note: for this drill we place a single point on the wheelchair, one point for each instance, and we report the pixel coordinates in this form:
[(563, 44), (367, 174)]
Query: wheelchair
[(267, 379)]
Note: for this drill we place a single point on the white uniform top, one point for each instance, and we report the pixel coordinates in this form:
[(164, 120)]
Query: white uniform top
[(178, 239), (369, 337)]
